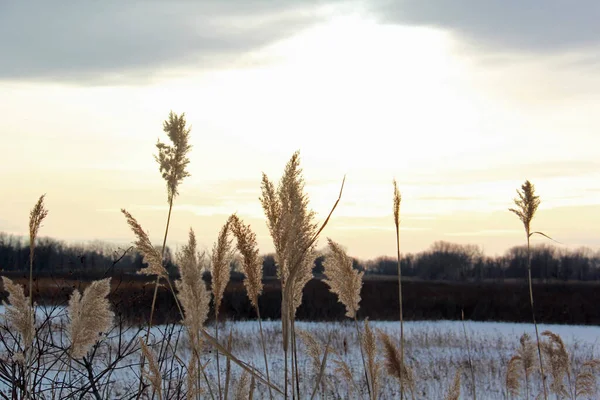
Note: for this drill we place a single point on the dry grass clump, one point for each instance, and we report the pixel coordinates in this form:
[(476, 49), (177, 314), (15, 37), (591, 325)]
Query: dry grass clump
[(89, 315), (19, 312), (523, 362), (557, 361)]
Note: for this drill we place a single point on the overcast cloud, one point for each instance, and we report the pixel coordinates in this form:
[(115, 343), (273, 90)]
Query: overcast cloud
[(538, 26), (132, 41), (109, 40)]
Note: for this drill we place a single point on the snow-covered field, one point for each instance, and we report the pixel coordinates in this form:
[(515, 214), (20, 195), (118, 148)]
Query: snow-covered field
[(434, 349)]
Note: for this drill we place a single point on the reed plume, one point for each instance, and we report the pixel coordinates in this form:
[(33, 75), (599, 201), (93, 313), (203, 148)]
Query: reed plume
[(191, 289), (243, 387), (172, 159), (394, 365), (252, 267), (145, 247), (293, 231), (527, 204), (513, 383), (342, 279), (454, 390), (346, 283), (153, 373), (36, 216), (396, 210), (89, 315), (585, 382), (342, 369), (369, 343), (19, 311), (558, 362), (222, 255)]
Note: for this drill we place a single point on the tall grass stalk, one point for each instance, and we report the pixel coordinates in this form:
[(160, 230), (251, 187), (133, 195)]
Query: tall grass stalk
[(172, 160), (36, 216), (397, 199), (527, 204)]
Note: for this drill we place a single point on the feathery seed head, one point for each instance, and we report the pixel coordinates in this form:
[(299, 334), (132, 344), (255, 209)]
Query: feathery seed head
[(192, 293), (19, 313), (90, 315), (557, 358), (526, 205), (397, 199), (145, 247), (454, 390), (222, 254), (36, 216), (373, 367), (393, 363), (252, 265), (342, 279), (313, 350), (153, 373), (172, 159), (513, 384)]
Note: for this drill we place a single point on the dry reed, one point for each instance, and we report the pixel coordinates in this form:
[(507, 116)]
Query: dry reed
[(527, 204), (454, 390), (19, 312), (396, 209), (89, 315), (153, 373), (394, 365)]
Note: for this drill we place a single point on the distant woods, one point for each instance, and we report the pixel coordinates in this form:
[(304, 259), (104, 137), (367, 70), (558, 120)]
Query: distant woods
[(443, 261)]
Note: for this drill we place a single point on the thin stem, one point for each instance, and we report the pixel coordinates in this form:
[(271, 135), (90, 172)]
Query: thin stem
[(295, 356), (362, 355), (401, 316), (264, 346), (537, 336), (217, 351), (156, 284)]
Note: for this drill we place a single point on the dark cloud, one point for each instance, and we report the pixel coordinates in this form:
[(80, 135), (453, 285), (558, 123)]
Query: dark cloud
[(107, 41), (550, 25)]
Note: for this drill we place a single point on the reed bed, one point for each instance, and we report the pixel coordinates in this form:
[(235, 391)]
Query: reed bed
[(83, 350)]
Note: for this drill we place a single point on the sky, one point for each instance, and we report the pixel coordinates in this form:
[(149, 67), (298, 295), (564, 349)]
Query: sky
[(459, 101)]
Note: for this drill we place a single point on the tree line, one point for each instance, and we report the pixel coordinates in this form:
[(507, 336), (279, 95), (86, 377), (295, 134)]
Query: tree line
[(443, 261)]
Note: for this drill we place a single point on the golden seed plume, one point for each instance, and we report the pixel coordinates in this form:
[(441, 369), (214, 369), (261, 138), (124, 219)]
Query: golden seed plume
[(36, 216), (557, 359), (173, 159), (393, 362), (292, 228), (397, 199), (342, 279), (252, 265), (313, 350), (90, 315), (19, 313), (454, 390), (513, 384), (192, 292), (153, 373), (151, 255), (526, 205), (242, 389), (342, 369), (222, 254), (585, 382), (373, 367)]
